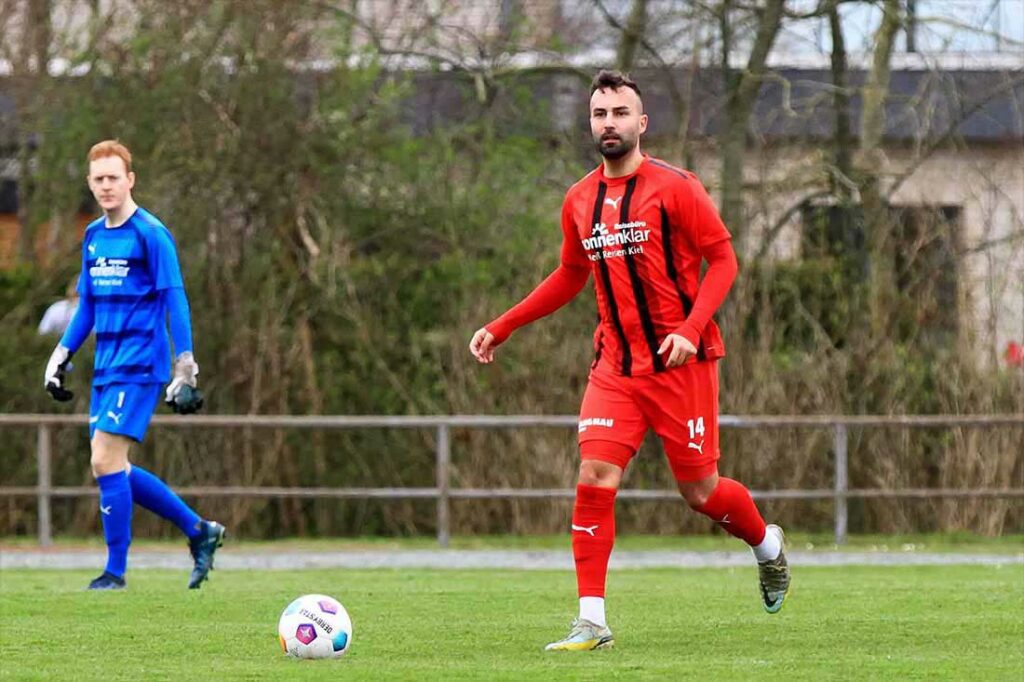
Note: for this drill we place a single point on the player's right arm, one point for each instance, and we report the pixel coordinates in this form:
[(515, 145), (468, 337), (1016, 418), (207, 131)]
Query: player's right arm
[(74, 336), (560, 287)]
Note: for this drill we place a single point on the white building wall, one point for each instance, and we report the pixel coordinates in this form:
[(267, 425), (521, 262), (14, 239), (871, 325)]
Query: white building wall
[(986, 181)]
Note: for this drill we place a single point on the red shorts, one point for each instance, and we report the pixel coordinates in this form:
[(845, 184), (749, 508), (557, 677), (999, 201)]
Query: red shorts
[(681, 405)]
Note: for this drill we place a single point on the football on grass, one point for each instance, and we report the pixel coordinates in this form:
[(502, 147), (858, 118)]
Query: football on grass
[(315, 626)]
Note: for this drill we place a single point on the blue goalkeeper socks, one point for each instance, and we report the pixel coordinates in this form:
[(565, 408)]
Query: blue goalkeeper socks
[(116, 514), (157, 497)]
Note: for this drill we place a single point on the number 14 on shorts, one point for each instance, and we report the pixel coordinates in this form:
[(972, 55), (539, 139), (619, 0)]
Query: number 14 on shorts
[(696, 427)]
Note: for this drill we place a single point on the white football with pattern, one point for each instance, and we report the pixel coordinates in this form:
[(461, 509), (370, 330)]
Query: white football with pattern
[(315, 626)]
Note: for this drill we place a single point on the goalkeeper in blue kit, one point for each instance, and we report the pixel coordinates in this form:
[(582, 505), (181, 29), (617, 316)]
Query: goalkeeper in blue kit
[(130, 285)]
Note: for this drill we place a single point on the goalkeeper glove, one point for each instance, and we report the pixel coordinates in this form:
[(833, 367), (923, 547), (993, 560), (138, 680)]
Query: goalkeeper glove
[(58, 365), (188, 400), (182, 395)]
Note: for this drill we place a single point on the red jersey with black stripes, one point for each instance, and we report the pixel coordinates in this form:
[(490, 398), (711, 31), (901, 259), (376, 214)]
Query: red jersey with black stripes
[(644, 236)]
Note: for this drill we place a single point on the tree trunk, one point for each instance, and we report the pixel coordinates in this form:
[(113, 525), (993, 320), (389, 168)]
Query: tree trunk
[(636, 26), (872, 160), (741, 93), (26, 231), (911, 25), (30, 71), (840, 177)]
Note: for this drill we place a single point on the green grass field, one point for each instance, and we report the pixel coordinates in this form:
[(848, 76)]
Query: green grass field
[(960, 543), (841, 623)]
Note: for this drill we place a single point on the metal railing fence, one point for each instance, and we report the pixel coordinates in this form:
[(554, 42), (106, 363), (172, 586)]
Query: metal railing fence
[(444, 493)]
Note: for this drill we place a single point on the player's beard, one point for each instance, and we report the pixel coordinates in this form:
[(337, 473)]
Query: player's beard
[(622, 146)]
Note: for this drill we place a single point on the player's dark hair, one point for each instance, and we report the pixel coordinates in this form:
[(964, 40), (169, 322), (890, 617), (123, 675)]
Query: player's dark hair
[(614, 80)]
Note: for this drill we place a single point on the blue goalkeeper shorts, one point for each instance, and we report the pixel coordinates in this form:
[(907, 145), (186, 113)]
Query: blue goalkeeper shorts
[(124, 409)]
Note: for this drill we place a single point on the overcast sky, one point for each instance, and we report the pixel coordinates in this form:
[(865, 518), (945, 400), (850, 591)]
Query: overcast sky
[(944, 26)]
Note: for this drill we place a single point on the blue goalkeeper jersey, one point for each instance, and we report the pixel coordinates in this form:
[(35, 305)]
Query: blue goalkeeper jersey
[(125, 269)]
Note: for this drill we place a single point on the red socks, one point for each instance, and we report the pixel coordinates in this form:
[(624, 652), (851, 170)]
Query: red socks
[(593, 527), (731, 507), (593, 534)]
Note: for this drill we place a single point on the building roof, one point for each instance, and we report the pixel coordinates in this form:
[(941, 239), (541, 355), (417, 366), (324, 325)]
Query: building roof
[(980, 105), (794, 104)]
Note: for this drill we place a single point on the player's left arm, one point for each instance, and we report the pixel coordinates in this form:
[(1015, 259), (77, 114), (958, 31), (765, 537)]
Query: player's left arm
[(186, 370), (715, 245), (166, 272)]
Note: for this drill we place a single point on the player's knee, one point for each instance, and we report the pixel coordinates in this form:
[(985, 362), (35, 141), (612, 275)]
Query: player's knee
[(109, 455), (588, 477), (696, 493), (696, 499), (101, 462), (598, 473)]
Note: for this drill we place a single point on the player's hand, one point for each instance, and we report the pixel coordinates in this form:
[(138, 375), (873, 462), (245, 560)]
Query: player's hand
[(53, 380), (182, 394), (482, 346), (187, 401), (679, 349)]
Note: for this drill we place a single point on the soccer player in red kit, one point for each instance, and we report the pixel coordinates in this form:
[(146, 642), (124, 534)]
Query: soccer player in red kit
[(643, 228)]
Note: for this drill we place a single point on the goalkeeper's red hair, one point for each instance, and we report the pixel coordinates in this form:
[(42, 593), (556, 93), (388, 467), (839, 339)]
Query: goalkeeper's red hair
[(102, 150)]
